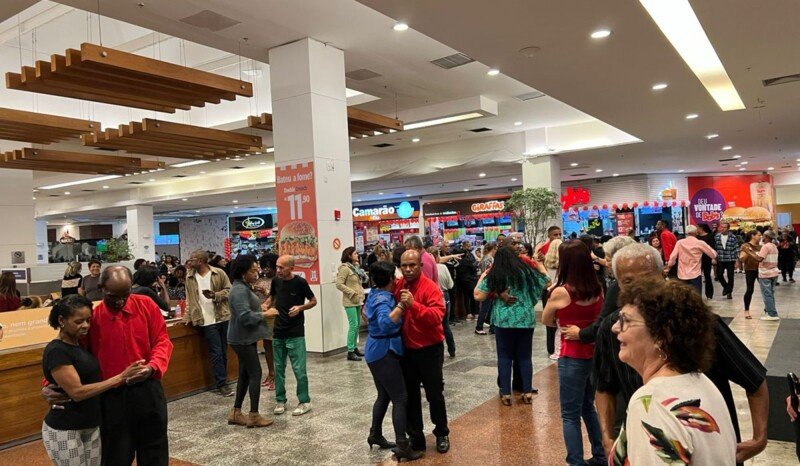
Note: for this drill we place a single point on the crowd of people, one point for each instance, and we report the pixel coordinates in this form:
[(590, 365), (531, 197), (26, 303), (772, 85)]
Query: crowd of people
[(629, 326)]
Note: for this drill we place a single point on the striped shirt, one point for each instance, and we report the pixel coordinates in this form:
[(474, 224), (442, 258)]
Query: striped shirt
[(733, 362), (768, 268)]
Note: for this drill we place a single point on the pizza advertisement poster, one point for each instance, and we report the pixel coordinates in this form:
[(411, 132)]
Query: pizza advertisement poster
[(297, 218), (745, 201)]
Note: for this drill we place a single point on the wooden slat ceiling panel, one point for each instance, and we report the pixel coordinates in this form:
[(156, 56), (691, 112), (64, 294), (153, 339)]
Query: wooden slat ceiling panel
[(75, 162), (360, 123), (102, 74), (40, 128), (176, 140)]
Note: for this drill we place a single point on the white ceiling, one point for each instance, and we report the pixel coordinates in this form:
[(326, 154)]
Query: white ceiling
[(608, 79)]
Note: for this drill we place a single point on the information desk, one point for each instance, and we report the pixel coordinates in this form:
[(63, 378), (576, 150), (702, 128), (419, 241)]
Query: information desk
[(22, 408)]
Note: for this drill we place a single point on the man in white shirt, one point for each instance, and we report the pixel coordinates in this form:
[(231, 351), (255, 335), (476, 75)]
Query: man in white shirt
[(207, 309), (727, 247)]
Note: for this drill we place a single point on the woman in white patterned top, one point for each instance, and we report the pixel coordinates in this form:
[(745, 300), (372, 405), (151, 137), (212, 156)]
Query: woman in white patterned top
[(678, 417)]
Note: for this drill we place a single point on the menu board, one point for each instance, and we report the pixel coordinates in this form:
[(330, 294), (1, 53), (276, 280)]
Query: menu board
[(743, 201), (624, 223), (297, 218)]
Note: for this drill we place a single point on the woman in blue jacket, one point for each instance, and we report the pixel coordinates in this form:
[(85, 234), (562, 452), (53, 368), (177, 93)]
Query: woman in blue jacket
[(382, 353)]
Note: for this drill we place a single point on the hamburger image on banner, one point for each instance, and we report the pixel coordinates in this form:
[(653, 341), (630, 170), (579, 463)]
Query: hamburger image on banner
[(299, 239)]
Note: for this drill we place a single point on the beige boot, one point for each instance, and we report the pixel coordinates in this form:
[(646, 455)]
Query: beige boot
[(235, 417), (256, 420)]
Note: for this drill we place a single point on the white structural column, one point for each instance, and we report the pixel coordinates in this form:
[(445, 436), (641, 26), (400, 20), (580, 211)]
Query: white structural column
[(42, 247), (140, 232), (309, 111), (543, 171), (17, 217)]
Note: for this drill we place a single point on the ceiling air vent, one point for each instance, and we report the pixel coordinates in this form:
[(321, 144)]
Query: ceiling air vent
[(383, 144), (480, 185), (136, 182), (529, 96), (789, 78), (578, 174), (362, 74), (481, 130), (52, 195), (236, 168), (210, 20), (452, 61), (88, 190), (728, 160), (106, 149), (179, 176)]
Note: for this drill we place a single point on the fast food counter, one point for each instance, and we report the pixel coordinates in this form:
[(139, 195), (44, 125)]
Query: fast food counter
[(22, 408)]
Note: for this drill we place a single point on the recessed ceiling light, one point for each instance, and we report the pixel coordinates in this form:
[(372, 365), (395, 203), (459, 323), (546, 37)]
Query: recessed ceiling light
[(481, 174), (692, 116), (235, 201), (184, 199), (358, 200), (415, 140), (408, 195), (105, 186), (262, 163), (441, 121), (189, 163), (770, 168), (400, 26), (727, 147), (681, 171), (34, 198), (744, 163), (599, 170), (513, 179), (742, 169), (679, 23), (573, 164), (493, 72), (615, 174), (230, 212), (380, 194), (517, 123), (67, 193), (151, 180), (737, 156), (202, 173), (466, 189), (601, 34), (659, 86), (197, 211), (712, 136), (236, 207)]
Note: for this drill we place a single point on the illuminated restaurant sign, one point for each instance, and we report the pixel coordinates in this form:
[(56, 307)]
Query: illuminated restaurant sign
[(389, 211)]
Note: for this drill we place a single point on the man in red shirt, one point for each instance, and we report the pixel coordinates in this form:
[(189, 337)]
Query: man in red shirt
[(423, 336), (127, 328), (553, 233), (666, 237)]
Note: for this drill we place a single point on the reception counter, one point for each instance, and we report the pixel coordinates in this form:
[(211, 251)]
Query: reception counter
[(22, 408)]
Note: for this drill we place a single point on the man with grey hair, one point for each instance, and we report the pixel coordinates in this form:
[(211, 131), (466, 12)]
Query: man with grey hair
[(428, 262), (688, 253), (732, 362), (611, 247)]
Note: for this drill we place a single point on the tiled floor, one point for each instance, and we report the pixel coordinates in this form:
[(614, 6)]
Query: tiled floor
[(482, 431)]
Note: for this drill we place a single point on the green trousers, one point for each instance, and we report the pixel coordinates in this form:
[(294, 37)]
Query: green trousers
[(295, 349), (352, 328)]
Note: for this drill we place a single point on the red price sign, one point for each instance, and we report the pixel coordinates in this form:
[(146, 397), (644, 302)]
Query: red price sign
[(297, 218)]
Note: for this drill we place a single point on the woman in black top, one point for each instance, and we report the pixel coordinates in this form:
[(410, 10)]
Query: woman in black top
[(147, 282), (72, 279), (72, 435)]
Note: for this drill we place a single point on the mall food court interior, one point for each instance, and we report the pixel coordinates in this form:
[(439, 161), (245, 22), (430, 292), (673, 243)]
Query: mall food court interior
[(155, 129)]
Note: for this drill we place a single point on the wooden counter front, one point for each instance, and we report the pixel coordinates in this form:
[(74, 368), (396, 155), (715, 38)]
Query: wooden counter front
[(22, 408)]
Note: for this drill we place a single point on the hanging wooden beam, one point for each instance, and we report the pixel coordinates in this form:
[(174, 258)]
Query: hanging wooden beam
[(130, 163), (102, 74), (360, 123), (40, 128)]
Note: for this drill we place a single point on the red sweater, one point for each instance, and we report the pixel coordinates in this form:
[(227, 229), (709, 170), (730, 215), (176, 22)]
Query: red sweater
[(136, 332), (668, 241), (422, 323)]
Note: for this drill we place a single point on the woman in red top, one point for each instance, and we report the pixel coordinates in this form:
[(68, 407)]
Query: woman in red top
[(576, 299), (9, 296)]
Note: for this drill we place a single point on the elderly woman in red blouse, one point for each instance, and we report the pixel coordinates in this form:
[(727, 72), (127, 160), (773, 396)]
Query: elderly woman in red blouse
[(9, 296)]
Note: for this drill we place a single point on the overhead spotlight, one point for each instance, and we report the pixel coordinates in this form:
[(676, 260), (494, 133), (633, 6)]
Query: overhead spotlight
[(513, 179), (400, 26), (601, 34), (517, 123), (415, 140), (573, 164), (481, 175), (692, 116), (727, 147), (659, 86), (493, 72), (712, 136)]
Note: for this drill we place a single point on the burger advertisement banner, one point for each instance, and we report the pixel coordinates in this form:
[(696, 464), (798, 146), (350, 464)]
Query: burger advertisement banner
[(297, 218), (745, 201)]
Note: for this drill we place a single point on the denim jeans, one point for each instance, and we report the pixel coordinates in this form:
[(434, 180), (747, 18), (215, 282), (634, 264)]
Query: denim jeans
[(768, 294), (514, 345), (576, 395), (485, 314), (216, 336)]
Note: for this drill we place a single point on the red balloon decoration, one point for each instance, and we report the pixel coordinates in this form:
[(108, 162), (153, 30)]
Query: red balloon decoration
[(573, 196), (615, 206), (605, 206), (585, 208), (683, 203), (635, 205), (625, 205), (674, 203), (646, 203), (594, 207)]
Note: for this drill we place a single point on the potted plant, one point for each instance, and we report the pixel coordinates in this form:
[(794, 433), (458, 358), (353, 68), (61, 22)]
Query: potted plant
[(538, 209)]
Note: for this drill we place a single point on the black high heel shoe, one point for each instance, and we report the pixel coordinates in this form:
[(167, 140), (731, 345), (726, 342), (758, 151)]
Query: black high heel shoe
[(376, 438)]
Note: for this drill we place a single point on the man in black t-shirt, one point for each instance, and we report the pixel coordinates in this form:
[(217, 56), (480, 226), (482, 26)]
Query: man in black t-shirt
[(287, 302)]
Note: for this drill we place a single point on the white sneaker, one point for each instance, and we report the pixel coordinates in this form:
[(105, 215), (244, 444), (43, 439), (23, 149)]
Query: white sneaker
[(301, 409), (280, 408), (554, 357), (771, 318)]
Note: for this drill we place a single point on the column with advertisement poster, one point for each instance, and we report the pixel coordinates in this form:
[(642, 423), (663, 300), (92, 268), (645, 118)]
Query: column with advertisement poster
[(743, 201), (297, 218)]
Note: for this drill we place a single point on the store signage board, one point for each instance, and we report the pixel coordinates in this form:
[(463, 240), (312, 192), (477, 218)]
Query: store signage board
[(20, 275), (26, 327), (297, 218), (743, 201), (251, 222), (389, 211), (468, 207)]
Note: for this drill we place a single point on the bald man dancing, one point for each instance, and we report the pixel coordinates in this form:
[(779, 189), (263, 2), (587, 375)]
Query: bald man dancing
[(287, 302)]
